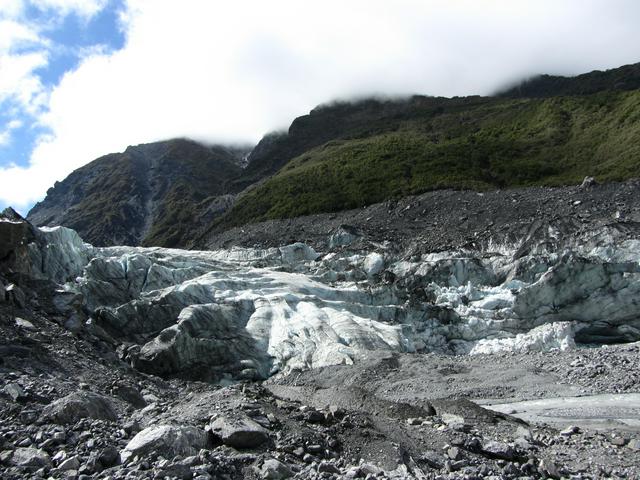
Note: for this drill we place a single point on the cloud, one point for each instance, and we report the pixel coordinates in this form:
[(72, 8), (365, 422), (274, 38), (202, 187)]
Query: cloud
[(11, 8), (85, 8), (231, 71), (5, 135)]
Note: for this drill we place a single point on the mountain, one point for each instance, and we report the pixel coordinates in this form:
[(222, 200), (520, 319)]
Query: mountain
[(424, 144), (152, 194), (623, 78), (548, 131)]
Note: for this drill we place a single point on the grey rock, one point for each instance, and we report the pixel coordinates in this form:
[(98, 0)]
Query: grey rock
[(175, 470), (165, 440), (498, 450), (634, 444), (314, 448), (25, 324), (239, 432), (524, 432), (5, 456), (78, 405), (129, 394), (619, 441), (587, 183), (548, 468), (273, 469), (105, 458), (314, 416), (454, 453), (72, 463), (108, 457), (328, 467), (14, 391), (570, 430), (30, 457)]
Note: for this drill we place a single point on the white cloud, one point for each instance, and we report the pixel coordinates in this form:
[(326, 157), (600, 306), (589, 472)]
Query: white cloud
[(11, 8), (230, 71), (15, 9), (18, 81), (83, 8), (5, 135), (14, 35)]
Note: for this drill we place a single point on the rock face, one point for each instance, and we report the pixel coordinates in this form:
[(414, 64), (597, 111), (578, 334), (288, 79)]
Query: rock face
[(80, 405), (147, 194)]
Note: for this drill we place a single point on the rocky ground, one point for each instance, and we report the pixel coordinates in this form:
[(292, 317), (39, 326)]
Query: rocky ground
[(72, 406), (450, 219), (70, 409)]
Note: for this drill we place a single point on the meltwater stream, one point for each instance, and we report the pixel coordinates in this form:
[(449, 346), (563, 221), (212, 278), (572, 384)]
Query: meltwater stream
[(597, 412)]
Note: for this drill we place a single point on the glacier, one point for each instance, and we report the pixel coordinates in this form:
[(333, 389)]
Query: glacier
[(246, 313)]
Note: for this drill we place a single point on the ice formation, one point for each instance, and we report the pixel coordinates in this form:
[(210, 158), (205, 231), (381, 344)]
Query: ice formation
[(248, 313)]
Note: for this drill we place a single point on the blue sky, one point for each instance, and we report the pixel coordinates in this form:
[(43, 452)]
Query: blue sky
[(83, 78)]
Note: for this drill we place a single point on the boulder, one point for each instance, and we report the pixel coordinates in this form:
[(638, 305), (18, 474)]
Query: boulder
[(239, 432), (24, 324), (15, 391), (78, 405), (166, 440), (105, 458), (130, 395), (30, 457), (273, 469), (72, 463), (498, 450)]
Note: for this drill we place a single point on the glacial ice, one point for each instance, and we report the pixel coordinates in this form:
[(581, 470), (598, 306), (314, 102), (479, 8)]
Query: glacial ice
[(249, 313)]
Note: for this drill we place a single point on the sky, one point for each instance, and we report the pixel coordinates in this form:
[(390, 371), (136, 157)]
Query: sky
[(83, 78)]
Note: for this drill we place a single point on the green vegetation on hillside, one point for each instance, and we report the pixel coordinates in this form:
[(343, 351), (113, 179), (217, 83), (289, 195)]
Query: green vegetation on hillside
[(493, 143)]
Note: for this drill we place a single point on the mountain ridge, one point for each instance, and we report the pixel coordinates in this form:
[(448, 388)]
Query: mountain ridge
[(343, 155)]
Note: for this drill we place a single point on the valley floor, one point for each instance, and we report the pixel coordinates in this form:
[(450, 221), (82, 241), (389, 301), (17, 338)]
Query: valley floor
[(388, 416)]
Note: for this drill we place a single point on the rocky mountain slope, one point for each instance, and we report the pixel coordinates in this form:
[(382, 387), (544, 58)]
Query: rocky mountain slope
[(361, 355), (550, 131), (150, 194)]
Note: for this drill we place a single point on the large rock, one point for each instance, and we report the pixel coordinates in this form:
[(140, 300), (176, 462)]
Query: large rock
[(239, 432), (78, 405), (273, 469), (30, 457), (15, 233), (166, 440)]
